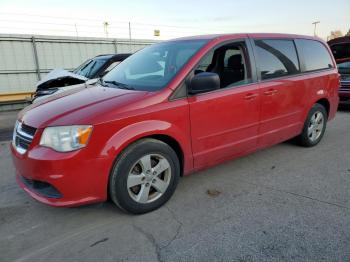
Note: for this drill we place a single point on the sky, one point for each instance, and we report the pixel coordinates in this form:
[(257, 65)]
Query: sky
[(172, 18)]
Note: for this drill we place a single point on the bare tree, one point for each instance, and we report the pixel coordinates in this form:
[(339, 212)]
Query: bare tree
[(335, 34)]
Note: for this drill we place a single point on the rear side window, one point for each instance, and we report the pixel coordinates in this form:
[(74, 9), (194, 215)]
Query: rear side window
[(276, 58), (315, 54)]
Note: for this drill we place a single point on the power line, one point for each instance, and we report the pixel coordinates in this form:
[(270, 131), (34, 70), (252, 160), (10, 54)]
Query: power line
[(98, 20)]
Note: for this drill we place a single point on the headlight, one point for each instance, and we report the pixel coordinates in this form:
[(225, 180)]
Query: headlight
[(66, 138)]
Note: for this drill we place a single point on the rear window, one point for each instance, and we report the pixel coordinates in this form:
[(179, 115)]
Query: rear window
[(315, 54), (276, 58), (341, 50)]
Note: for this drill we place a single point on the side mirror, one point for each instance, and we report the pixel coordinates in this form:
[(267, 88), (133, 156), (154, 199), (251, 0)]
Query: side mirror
[(204, 82)]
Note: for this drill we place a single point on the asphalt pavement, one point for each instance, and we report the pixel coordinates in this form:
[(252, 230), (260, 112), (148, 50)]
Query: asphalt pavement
[(284, 203)]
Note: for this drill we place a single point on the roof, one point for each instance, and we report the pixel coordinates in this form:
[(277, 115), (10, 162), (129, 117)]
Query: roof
[(252, 35)]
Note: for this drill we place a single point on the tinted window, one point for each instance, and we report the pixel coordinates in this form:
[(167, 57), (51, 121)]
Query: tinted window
[(153, 67), (229, 62), (96, 66), (276, 58), (344, 65), (111, 66), (344, 69), (89, 68), (84, 66), (315, 54), (205, 63), (341, 50), (228, 54)]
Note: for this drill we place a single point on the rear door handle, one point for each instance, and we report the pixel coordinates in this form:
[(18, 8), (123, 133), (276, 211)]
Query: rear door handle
[(250, 96), (270, 92)]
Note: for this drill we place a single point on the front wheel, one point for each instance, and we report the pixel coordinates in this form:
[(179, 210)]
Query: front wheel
[(144, 176), (314, 126)]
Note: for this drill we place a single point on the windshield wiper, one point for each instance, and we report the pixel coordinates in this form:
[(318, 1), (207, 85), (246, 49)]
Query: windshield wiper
[(119, 85), (101, 82)]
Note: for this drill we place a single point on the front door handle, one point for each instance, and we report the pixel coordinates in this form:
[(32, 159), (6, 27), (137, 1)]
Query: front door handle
[(250, 96), (270, 92)]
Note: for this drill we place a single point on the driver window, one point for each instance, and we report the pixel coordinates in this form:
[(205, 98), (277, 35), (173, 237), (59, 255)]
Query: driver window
[(229, 62)]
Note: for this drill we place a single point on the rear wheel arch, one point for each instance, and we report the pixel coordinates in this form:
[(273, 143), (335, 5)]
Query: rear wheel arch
[(325, 103), (310, 125), (321, 101)]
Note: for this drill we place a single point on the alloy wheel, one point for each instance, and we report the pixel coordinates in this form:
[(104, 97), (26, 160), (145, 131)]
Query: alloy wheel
[(149, 178), (316, 125)]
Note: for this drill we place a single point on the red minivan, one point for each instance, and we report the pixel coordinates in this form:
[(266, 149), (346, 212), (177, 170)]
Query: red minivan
[(171, 109)]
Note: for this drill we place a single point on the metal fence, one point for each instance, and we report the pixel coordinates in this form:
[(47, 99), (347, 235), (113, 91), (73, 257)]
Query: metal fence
[(26, 59)]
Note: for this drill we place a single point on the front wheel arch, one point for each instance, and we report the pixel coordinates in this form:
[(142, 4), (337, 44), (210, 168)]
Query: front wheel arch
[(169, 140), (116, 184)]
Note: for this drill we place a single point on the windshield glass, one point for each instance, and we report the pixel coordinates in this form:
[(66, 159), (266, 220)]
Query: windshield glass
[(82, 66), (89, 68), (153, 67)]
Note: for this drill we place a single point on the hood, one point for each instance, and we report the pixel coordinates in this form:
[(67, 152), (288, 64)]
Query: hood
[(80, 106), (59, 78)]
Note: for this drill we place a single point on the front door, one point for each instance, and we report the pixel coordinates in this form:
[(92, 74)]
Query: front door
[(225, 122)]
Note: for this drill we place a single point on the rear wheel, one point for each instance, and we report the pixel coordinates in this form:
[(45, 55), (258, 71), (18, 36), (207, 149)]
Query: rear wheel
[(314, 126), (145, 176)]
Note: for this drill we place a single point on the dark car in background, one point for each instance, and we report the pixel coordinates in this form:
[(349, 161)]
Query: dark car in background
[(60, 80), (341, 51)]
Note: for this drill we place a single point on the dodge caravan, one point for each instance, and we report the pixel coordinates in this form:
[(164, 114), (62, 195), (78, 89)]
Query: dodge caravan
[(171, 109)]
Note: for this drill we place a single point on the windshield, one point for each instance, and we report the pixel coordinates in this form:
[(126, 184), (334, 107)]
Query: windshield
[(153, 67), (90, 67)]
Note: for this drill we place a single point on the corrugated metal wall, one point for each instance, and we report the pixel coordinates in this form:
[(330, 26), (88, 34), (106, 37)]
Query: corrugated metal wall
[(24, 59)]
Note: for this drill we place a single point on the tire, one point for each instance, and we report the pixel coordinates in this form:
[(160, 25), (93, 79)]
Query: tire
[(306, 139), (138, 184)]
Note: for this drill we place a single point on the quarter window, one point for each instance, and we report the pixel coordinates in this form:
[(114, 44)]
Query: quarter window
[(315, 55), (276, 58)]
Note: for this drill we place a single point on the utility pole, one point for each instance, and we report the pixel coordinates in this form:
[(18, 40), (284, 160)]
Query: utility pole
[(76, 30), (130, 36), (315, 24), (105, 25)]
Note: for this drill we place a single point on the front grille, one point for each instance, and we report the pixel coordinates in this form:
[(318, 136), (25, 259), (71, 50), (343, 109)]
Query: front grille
[(28, 129), (23, 137), (345, 85)]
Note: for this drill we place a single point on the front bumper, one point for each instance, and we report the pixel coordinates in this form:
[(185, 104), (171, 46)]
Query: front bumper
[(62, 179)]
